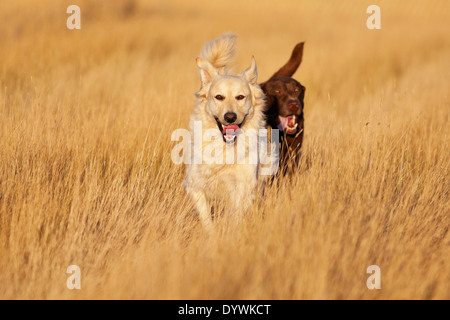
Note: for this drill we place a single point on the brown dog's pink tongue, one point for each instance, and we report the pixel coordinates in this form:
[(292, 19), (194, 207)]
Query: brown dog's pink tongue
[(283, 122), (232, 128)]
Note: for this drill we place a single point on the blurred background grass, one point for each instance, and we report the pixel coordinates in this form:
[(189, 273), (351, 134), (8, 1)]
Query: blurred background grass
[(86, 177)]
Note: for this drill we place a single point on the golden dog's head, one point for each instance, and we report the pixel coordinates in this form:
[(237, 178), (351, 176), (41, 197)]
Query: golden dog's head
[(229, 99)]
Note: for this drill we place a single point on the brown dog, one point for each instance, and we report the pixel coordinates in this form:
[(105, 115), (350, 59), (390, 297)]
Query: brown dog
[(285, 109)]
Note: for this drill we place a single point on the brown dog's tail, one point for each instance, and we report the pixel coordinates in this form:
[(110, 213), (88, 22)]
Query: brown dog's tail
[(292, 65)]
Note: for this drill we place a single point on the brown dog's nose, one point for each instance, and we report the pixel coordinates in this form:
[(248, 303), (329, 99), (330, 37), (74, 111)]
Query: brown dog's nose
[(294, 106), (230, 117)]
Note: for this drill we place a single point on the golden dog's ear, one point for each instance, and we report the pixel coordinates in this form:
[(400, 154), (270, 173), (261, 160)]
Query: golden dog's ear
[(206, 71), (251, 73)]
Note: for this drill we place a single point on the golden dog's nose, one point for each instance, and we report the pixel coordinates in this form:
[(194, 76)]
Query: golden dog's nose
[(230, 117)]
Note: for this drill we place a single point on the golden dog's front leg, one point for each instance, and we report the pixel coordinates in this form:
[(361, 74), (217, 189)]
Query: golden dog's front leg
[(243, 192), (202, 207)]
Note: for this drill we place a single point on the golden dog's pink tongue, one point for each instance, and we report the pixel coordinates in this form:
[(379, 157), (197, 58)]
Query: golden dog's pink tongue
[(230, 131)]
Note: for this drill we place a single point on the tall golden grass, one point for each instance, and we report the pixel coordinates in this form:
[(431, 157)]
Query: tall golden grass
[(86, 176)]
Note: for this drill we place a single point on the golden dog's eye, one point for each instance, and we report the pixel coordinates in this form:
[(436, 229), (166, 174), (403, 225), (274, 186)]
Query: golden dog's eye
[(219, 97), (240, 97)]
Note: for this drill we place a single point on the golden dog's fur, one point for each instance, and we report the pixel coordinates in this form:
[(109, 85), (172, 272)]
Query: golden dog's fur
[(234, 184)]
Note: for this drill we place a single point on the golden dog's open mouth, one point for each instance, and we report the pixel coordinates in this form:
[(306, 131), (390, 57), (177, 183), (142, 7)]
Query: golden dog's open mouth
[(229, 132)]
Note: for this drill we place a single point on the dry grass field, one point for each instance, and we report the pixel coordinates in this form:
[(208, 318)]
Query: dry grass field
[(86, 176)]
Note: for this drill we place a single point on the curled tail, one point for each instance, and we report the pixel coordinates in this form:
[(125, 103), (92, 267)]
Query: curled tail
[(220, 52)]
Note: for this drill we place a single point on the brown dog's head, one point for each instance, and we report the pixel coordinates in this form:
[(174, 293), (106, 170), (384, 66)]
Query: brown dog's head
[(284, 96), (285, 103)]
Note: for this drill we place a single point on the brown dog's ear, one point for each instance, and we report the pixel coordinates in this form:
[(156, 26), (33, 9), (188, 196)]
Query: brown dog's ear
[(263, 86), (269, 98), (292, 65)]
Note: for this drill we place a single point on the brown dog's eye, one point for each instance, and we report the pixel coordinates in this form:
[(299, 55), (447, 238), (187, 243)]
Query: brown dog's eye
[(240, 97), (277, 91), (219, 97), (297, 90)]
